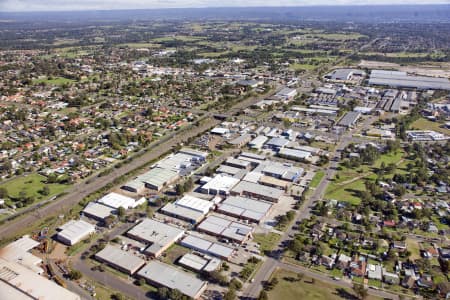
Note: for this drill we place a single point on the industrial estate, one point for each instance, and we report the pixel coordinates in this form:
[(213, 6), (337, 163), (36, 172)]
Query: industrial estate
[(224, 159)]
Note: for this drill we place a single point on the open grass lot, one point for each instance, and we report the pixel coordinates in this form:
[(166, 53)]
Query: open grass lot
[(32, 184), (53, 81), (424, 124), (316, 179), (266, 241), (290, 288), (174, 253), (348, 182), (302, 67), (414, 248), (140, 45), (347, 192)]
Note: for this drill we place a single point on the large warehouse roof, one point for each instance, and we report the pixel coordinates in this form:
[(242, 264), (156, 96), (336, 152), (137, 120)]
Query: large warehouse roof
[(245, 207), (220, 184), (225, 228), (402, 79), (18, 251), (158, 177), (159, 234), (181, 212), (258, 191), (98, 210), (74, 231), (121, 259), (115, 200), (18, 282), (195, 203), (165, 275), (207, 247)]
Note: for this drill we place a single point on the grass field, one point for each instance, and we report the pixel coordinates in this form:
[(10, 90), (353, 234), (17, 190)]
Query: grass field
[(302, 67), (266, 241), (32, 184), (53, 81), (140, 45), (414, 248), (290, 288), (316, 179), (349, 182), (424, 124)]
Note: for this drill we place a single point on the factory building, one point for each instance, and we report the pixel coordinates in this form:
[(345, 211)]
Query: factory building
[(74, 231), (120, 259), (159, 235), (163, 275)]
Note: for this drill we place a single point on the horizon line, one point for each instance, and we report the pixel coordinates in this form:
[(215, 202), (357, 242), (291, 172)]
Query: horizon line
[(221, 7)]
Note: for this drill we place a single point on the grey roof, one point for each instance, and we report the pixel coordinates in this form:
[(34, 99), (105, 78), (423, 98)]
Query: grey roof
[(120, 258), (402, 79), (173, 278), (193, 261), (245, 207), (258, 189), (157, 233), (228, 170), (294, 153), (206, 246), (277, 142), (158, 176), (225, 228), (349, 118), (98, 210), (182, 212)]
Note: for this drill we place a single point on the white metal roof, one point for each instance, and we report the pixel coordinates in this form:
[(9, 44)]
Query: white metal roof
[(74, 231), (195, 203), (16, 280), (115, 200)]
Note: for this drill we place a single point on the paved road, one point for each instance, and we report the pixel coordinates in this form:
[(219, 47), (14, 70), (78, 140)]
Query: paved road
[(270, 264), (77, 192)]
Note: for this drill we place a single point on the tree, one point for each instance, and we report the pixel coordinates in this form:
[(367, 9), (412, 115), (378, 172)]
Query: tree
[(121, 211), (163, 293), (75, 275), (117, 296), (235, 284), (3, 193), (360, 291), (230, 294), (263, 295), (45, 191)]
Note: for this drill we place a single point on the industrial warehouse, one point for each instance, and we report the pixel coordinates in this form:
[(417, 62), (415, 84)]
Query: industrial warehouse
[(189, 208), (74, 231), (403, 80), (120, 259), (161, 274), (226, 229), (160, 236)]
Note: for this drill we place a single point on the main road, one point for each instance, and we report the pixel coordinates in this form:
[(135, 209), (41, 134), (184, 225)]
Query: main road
[(271, 264)]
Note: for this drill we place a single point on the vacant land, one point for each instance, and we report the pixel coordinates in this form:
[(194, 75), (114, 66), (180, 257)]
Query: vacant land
[(424, 124), (53, 81), (266, 241), (350, 181), (316, 179), (32, 185), (291, 287)]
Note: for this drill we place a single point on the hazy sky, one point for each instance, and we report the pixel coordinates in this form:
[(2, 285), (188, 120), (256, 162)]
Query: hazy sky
[(51, 5)]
